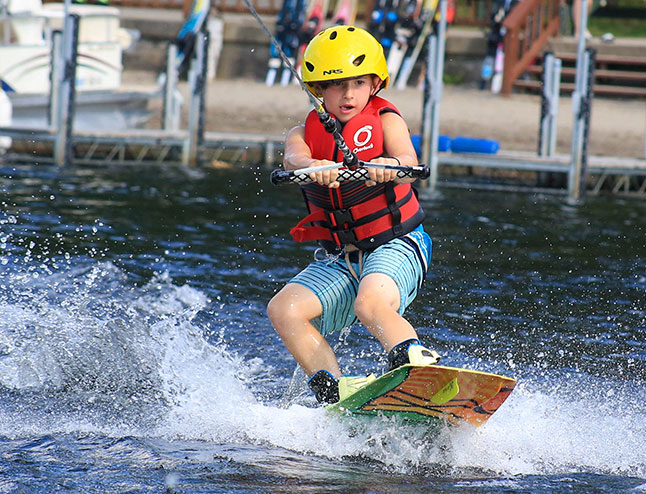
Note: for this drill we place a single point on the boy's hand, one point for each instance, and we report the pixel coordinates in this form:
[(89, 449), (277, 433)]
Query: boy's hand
[(326, 177), (379, 175)]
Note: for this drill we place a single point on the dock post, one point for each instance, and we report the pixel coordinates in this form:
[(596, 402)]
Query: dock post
[(549, 113), (67, 91), (427, 107), (549, 105), (215, 27), (554, 109), (434, 85), (197, 84), (576, 174), (55, 79), (171, 111), (590, 62), (269, 154)]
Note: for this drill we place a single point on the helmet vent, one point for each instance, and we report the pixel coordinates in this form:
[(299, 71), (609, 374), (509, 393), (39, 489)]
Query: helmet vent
[(333, 35), (351, 29), (309, 66), (359, 60)]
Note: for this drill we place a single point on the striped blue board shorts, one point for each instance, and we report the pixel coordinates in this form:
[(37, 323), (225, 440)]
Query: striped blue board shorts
[(404, 259)]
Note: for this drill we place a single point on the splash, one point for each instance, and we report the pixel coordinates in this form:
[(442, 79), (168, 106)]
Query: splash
[(85, 348), (534, 433)]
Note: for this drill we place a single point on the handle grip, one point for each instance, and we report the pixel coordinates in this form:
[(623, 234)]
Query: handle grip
[(301, 176)]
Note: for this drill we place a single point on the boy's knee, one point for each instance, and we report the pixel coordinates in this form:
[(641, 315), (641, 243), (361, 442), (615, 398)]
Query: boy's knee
[(282, 310), (271, 307), (365, 307), (276, 309)]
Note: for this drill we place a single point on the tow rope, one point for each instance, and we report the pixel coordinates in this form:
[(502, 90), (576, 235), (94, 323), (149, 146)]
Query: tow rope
[(350, 159)]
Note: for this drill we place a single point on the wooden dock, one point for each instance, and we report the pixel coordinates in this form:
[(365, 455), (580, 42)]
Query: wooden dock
[(193, 146), (605, 174), (144, 146)]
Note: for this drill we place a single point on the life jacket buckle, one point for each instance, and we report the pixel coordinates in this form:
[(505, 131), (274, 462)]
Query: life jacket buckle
[(341, 217), (345, 236)]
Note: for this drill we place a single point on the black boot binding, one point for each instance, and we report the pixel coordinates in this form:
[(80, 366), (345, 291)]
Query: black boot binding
[(398, 356), (324, 386)]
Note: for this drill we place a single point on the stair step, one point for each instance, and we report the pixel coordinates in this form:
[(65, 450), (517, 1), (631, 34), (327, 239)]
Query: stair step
[(606, 59), (626, 75), (600, 89)]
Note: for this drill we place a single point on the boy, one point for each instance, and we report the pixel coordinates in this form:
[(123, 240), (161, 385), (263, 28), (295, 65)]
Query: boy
[(377, 251)]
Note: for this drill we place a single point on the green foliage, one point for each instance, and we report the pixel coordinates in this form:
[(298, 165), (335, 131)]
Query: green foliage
[(450, 78), (620, 27)]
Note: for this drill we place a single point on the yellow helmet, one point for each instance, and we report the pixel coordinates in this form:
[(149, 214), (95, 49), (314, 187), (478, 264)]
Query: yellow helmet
[(340, 52)]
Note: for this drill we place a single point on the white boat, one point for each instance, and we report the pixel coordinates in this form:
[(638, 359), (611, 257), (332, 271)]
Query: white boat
[(26, 32), (6, 111)]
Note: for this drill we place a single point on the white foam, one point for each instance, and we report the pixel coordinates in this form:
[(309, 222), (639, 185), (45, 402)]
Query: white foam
[(155, 373), (534, 432)]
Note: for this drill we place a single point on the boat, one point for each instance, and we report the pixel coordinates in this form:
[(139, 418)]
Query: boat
[(5, 120), (26, 32)]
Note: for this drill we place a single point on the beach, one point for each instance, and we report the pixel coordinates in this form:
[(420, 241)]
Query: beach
[(618, 126)]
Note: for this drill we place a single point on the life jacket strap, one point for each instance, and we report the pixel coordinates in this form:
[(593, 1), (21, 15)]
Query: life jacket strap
[(356, 223)]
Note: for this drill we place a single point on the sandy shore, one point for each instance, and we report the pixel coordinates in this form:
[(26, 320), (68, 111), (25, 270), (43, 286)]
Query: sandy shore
[(618, 127)]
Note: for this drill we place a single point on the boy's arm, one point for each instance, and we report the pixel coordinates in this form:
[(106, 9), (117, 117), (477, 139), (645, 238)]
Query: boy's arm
[(397, 142), (299, 155), (398, 149)]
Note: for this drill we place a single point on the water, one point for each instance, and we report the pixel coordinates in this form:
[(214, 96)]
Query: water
[(135, 355)]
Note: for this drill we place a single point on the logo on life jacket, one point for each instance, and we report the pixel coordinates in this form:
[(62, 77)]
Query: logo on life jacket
[(361, 138)]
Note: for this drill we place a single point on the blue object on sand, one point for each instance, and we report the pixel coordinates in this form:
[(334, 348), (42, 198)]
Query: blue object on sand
[(462, 144), (443, 144)]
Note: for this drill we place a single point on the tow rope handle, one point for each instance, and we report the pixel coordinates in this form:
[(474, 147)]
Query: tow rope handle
[(302, 175)]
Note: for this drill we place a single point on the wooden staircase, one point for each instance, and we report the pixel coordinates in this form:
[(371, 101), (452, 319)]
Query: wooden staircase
[(533, 30), (614, 75)]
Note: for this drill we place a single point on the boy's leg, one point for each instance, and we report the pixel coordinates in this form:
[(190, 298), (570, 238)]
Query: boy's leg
[(290, 312), (377, 307), (391, 278)]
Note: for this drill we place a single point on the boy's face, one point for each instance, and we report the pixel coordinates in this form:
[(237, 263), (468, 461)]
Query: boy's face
[(345, 98)]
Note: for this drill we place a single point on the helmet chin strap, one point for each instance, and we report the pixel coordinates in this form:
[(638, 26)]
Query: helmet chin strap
[(378, 88), (350, 159)]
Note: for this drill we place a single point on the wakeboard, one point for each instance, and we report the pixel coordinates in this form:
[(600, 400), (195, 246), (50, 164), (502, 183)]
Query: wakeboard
[(430, 393)]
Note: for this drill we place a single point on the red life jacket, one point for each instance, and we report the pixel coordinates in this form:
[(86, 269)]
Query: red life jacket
[(366, 217)]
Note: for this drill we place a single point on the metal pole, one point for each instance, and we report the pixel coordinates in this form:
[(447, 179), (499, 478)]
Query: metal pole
[(546, 104), (197, 79), (549, 105), (554, 107), (575, 174), (436, 96), (67, 81), (586, 107), (204, 70), (172, 103), (427, 113), (549, 113), (55, 79)]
